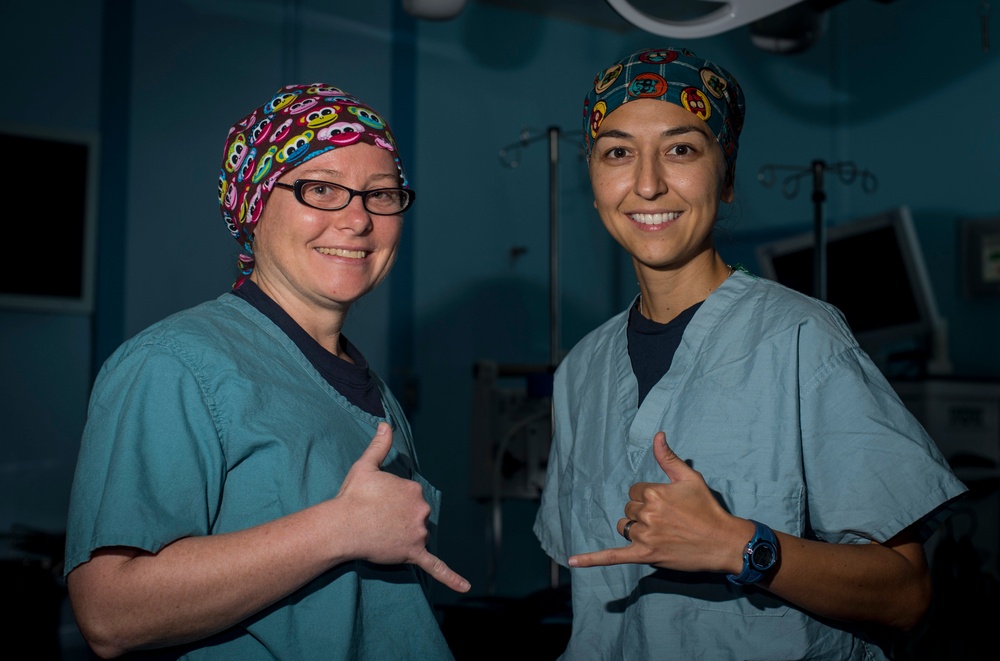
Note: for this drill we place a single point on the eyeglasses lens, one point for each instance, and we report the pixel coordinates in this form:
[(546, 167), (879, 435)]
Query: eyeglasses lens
[(385, 201)]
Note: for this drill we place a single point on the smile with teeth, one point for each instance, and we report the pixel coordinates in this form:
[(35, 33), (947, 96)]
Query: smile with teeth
[(654, 218), (338, 252)]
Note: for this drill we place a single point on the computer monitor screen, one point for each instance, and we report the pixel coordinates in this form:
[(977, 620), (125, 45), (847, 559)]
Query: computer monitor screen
[(875, 275), (56, 175)]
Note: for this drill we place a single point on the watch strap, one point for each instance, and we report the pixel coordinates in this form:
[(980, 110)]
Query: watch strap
[(762, 535)]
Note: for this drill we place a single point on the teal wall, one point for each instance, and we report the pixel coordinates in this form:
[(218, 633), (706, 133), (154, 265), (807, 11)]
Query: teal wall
[(904, 89)]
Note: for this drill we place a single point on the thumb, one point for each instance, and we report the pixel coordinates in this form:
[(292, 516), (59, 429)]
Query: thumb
[(672, 465), (378, 449)]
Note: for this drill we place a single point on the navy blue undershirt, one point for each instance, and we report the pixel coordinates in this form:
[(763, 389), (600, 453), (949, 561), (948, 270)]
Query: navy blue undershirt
[(353, 381), (651, 346)]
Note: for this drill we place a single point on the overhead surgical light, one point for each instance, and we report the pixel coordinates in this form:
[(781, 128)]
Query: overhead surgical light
[(717, 18), (435, 10)]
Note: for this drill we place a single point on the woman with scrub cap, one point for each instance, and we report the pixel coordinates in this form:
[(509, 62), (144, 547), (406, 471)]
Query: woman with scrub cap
[(247, 487), (730, 476)]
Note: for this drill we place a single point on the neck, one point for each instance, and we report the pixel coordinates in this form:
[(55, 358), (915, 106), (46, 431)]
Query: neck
[(663, 303), (322, 324)]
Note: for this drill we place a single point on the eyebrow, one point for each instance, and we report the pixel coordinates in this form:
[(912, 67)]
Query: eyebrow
[(323, 172), (669, 133)]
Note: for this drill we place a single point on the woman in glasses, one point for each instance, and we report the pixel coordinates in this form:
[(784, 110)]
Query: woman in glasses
[(730, 476), (247, 488)]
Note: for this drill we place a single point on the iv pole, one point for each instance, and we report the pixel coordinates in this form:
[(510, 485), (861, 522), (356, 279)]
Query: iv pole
[(554, 325), (553, 133), (847, 172)]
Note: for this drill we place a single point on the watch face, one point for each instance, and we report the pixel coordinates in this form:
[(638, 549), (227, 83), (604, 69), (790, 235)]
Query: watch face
[(762, 556)]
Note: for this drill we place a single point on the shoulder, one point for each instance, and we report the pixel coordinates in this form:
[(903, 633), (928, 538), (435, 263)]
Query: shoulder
[(795, 333), (773, 309), (227, 318), (205, 319), (777, 300), (225, 325), (597, 342)]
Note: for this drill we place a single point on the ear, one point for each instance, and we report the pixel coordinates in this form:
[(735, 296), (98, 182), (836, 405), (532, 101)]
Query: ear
[(729, 185)]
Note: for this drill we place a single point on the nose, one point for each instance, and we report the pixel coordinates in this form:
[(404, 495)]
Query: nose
[(354, 217), (650, 181)]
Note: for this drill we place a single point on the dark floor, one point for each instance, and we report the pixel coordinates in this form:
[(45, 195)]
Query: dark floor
[(531, 628), (962, 625)]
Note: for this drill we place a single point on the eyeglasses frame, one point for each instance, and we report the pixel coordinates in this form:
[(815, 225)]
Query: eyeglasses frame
[(296, 188)]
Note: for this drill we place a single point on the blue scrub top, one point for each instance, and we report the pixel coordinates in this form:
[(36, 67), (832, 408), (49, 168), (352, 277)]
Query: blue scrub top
[(790, 423), (213, 421)]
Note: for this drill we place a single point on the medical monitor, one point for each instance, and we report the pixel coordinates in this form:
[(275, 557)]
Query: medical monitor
[(875, 275)]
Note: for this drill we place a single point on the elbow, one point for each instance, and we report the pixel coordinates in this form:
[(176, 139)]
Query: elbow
[(99, 628), (914, 605), (913, 586), (106, 652), (99, 633), (101, 639), (919, 612)]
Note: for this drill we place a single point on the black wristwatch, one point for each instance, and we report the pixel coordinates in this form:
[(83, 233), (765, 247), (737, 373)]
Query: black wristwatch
[(760, 556)]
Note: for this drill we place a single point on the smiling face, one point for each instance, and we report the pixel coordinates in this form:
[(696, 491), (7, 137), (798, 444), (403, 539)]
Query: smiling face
[(316, 263), (658, 176)]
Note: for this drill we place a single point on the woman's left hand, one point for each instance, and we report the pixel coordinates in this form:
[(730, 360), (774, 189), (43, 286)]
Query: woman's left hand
[(682, 526), (676, 525)]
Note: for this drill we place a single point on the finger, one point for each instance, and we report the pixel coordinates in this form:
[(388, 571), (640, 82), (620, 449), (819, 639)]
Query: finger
[(672, 465), (438, 570), (626, 528), (617, 556), (378, 449)]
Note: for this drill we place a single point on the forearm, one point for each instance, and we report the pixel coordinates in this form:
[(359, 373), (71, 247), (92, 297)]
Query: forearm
[(886, 584), (125, 599), (681, 526)]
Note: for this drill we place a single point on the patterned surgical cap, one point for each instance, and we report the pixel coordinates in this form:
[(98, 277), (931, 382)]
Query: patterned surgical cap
[(299, 123), (676, 76)]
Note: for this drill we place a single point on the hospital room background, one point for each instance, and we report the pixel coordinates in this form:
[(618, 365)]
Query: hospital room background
[(862, 113)]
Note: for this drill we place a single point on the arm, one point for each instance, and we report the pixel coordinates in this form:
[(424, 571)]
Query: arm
[(682, 526), (126, 599)]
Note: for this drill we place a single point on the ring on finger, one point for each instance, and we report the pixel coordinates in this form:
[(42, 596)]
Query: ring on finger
[(625, 530)]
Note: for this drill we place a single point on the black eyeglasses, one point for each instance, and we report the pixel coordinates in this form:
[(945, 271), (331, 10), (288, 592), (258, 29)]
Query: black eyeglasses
[(331, 197)]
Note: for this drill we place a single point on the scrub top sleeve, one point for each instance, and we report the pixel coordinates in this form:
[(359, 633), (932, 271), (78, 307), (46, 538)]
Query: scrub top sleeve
[(151, 466), (871, 469)]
